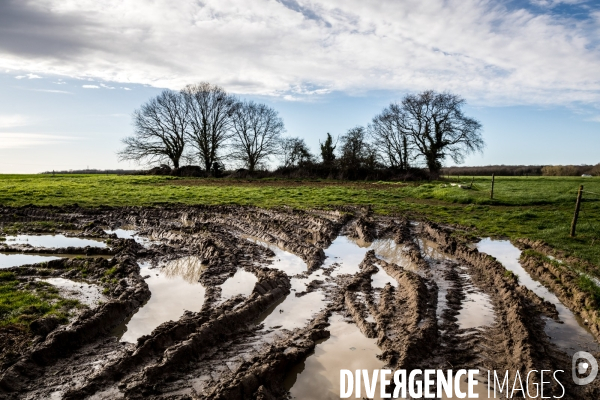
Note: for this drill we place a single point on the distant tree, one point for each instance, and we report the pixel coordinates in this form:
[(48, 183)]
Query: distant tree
[(294, 152), (328, 150), (160, 127), (210, 111), (257, 129), (355, 151), (595, 170), (390, 138), (438, 128)]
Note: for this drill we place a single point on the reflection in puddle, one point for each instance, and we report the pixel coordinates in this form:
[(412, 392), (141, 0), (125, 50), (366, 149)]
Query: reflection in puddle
[(284, 261), (174, 291), (430, 250), (241, 283), (294, 312), (385, 249), (16, 260), (318, 377), (8, 260), (85, 293), (189, 268), (572, 335), (55, 241), (129, 234), (390, 251), (477, 309), (345, 252), (381, 278)]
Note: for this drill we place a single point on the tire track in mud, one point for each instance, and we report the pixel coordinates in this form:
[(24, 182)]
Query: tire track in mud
[(219, 351), (516, 341)]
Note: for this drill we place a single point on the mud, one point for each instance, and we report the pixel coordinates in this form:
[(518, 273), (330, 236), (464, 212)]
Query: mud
[(260, 304)]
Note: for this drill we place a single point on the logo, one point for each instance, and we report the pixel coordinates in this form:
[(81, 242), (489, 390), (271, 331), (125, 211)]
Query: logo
[(581, 367)]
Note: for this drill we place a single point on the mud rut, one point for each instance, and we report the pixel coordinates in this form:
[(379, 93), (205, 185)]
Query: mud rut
[(220, 352)]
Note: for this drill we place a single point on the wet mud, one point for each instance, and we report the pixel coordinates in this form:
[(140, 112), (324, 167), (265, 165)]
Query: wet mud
[(232, 302)]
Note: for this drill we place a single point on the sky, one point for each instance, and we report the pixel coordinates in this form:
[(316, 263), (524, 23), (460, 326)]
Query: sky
[(73, 71)]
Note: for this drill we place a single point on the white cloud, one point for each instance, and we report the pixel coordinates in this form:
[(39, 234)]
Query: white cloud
[(51, 91), (478, 48), (125, 88), (106, 86), (20, 140), (90, 86), (12, 121), (28, 76)]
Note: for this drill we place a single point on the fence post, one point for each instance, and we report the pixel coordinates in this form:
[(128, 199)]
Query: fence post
[(492, 192), (577, 206)]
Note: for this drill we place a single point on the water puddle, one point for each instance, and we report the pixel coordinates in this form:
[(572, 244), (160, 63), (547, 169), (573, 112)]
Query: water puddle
[(381, 278), (389, 251), (189, 268), (294, 312), (477, 309), (572, 335), (318, 377), (8, 260), (241, 283), (345, 252), (53, 241), (430, 250), (174, 289), (16, 260), (88, 294), (284, 261)]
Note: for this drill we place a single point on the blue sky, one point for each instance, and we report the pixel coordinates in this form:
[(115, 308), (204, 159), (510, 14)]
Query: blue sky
[(72, 72)]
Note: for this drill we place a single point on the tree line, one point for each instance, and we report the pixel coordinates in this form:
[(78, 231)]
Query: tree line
[(203, 122)]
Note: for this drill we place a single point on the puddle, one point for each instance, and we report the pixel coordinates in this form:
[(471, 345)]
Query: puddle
[(389, 251), (8, 260), (129, 234), (16, 260), (430, 250), (53, 241), (284, 261), (381, 278), (174, 290), (189, 268), (85, 293), (241, 283), (347, 253), (294, 312), (572, 335), (477, 309), (318, 377)]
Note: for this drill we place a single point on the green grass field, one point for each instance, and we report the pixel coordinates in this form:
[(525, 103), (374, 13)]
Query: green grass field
[(532, 207)]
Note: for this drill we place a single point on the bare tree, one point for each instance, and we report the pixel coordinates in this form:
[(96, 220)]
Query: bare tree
[(390, 138), (294, 152), (355, 150), (438, 128), (257, 129), (210, 111), (160, 127)]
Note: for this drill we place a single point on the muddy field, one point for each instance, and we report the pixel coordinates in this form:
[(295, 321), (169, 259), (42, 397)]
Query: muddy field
[(246, 303)]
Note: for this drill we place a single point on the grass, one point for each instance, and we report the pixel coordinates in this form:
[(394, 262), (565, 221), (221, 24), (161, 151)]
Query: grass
[(532, 207), (20, 304)]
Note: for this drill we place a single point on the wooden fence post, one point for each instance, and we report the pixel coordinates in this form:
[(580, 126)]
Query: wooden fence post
[(577, 206), (492, 192)]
